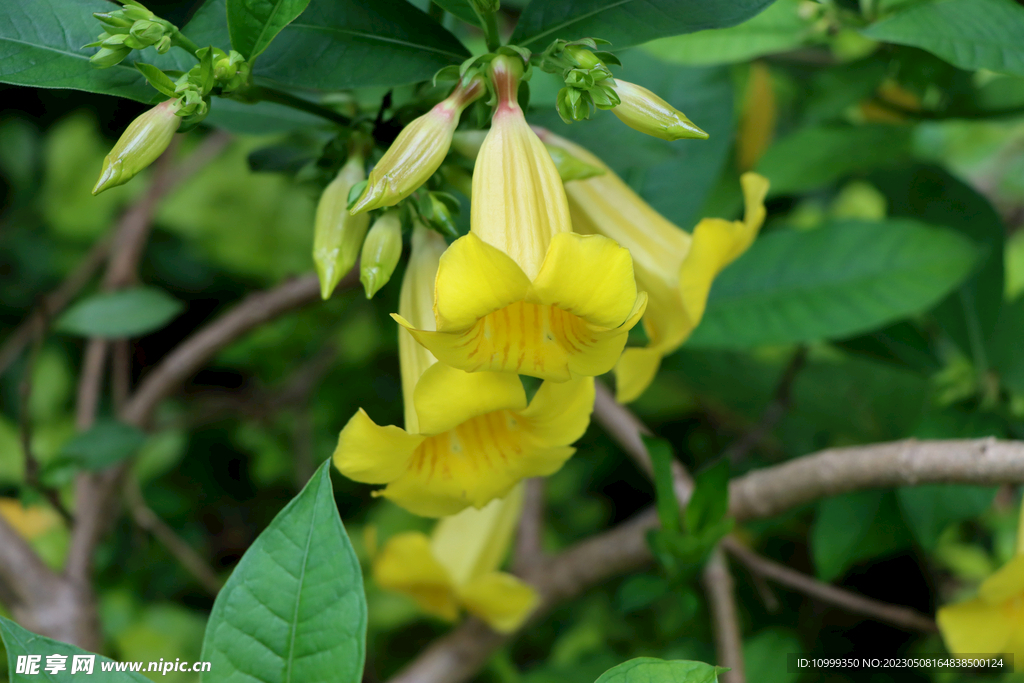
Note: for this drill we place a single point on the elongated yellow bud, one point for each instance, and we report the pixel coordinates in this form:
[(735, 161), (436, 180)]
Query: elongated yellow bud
[(338, 236), (417, 151), (642, 110), (142, 142), (381, 251)]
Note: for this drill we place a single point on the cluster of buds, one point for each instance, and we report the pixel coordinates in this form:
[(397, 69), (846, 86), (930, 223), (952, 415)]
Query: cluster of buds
[(131, 28)]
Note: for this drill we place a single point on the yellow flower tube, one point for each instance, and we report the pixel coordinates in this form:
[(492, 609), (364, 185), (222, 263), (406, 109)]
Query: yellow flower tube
[(994, 621), (457, 566), (521, 292), (675, 268), (468, 437)]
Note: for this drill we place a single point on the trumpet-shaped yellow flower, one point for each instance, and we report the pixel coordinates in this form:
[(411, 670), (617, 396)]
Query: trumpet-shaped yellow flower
[(994, 621), (457, 567), (468, 438), (675, 268), (522, 293)]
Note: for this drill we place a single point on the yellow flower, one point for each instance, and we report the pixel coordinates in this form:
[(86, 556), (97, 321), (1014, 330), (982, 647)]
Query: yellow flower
[(674, 267), (994, 621), (468, 438), (522, 293), (458, 566)]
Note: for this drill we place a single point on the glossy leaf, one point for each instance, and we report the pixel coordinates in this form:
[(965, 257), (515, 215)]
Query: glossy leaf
[(651, 670), (355, 44), (626, 22), (127, 313), (970, 34), (815, 157), (254, 23), (20, 642), (777, 29), (838, 280), (294, 608)]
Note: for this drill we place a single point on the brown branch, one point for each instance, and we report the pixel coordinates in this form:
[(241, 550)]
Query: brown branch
[(721, 594), (529, 550), (903, 617)]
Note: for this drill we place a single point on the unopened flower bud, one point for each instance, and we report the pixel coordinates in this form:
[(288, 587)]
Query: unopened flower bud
[(110, 56), (418, 151), (113, 19), (338, 235), (136, 12), (163, 46), (147, 32), (381, 251), (438, 209), (644, 111), (142, 142)]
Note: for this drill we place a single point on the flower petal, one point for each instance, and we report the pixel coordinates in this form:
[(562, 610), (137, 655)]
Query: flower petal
[(975, 626), (559, 413), (406, 565), (475, 542), (474, 279), (589, 276), (372, 454), (446, 397), (500, 599), (634, 372), (1005, 584), (603, 346)]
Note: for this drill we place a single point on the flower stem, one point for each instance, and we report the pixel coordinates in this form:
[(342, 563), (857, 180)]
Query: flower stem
[(179, 39), (489, 23)]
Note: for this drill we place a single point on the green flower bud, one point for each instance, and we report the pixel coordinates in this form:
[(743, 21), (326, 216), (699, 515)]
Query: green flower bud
[(486, 6), (438, 209), (381, 251), (570, 167), (136, 12), (113, 19), (142, 142), (418, 151), (109, 56), (147, 32), (338, 235), (115, 41), (163, 46), (644, 111)]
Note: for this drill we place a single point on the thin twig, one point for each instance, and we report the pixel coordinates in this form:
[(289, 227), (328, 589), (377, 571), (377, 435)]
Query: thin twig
[(721, 595), (529, 549), (903, 617)]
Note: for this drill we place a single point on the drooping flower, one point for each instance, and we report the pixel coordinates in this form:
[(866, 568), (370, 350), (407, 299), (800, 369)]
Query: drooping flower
[(418, 150), (994, 621), (468, 437), (142, 142), (674, 267), (521, 292), (457, 566)]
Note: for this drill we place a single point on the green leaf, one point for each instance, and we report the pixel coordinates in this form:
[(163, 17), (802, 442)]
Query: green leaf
[(855, 527), (764, 656), (157, 78), (260, 118), (294, 608), (929, 509), (626, 22), (357, 44), (815, 157), (254, 23), (107, 443), (651, 670), (777, 29), (127, 313), (668, 506), (970, 34), (460, 8), (20, 642), (710, 499), (841, 279)]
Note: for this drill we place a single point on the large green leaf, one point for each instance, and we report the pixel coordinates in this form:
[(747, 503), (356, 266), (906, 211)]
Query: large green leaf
[(294, 609), (651, 670), (353, 44), (840, 279), (22, 643), (970, 34), (127, 313), (254, 23), (814, 157), (626, 22), (777, 29)]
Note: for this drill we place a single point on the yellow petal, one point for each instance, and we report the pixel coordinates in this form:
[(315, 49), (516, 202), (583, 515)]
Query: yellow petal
[(589, 276), (29, 522), (634, 372), (372, 454), (1005, 584), (559, 413), (603, 346), (475, 279), (976, 627), (406, 565), (500, 599), (475, 542), (446, 397)]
